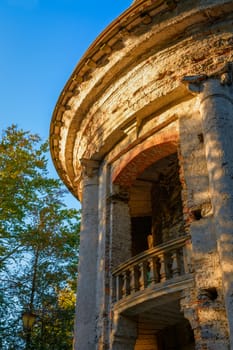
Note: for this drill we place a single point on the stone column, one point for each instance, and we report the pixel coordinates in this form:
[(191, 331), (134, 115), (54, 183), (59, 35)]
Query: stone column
[(216, 108), (123, 330), (103, 274), (216, 104), (85, 327), (120, 237)]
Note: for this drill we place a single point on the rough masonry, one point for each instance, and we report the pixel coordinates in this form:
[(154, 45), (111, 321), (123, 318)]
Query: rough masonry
[(142, 136)]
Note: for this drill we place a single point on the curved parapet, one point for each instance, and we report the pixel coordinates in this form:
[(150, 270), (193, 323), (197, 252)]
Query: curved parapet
[(154, 272)]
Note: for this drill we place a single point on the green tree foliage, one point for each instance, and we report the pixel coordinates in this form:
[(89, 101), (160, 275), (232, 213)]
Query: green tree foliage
[(39, 247)]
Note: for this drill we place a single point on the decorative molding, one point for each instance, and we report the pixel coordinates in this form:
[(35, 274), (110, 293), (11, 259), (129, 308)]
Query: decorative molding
[(119, 194), (90, 167), (131, 129), (224, 74)]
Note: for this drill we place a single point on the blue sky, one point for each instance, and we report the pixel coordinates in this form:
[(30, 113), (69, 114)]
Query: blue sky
[(41, 42)]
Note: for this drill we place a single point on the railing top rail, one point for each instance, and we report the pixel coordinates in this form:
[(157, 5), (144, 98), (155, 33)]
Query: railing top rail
[(162, 248)]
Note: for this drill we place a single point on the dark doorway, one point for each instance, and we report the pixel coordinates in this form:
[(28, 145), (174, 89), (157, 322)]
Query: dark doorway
[(141, 228), (177, 337), (156, 206)]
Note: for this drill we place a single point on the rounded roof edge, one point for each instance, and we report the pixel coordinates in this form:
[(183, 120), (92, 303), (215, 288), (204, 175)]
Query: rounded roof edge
[(136, 14), (110, 31)]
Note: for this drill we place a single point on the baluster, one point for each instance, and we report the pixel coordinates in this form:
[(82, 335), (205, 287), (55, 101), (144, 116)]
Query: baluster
[(124, 284), (142, 276), (118, 287), (150, 271), (153, 274), (114, 289), (187, 257), (132, 280), (175, 264), (137, 276), (162, 268)]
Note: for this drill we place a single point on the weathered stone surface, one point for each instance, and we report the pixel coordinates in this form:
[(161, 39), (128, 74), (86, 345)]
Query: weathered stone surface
[(151, 105)]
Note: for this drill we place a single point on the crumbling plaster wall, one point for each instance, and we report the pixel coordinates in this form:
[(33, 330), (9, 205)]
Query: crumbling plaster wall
[(187, 38), (131, 95), (204, 305), (139, 92), (205, 312)]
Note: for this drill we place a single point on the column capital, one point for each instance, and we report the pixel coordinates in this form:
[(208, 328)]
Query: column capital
[(90, 167), (119, 193), (224, 74), (195, 82)]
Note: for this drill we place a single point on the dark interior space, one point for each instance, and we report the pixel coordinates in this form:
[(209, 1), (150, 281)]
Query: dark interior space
[(141, 228)]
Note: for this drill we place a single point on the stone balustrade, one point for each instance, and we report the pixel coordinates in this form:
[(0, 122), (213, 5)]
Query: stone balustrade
[(149, 269)]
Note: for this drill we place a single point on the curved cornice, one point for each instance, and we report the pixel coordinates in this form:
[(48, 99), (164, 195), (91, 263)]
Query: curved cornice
[(101, 58), (103, 46)]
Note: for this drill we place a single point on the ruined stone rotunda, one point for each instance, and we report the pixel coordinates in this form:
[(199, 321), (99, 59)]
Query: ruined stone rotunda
[(142, 134)]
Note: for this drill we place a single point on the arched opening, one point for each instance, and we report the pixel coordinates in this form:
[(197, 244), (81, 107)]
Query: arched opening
[(149, 279), (156, 205), (158, 325), (164, 329)]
